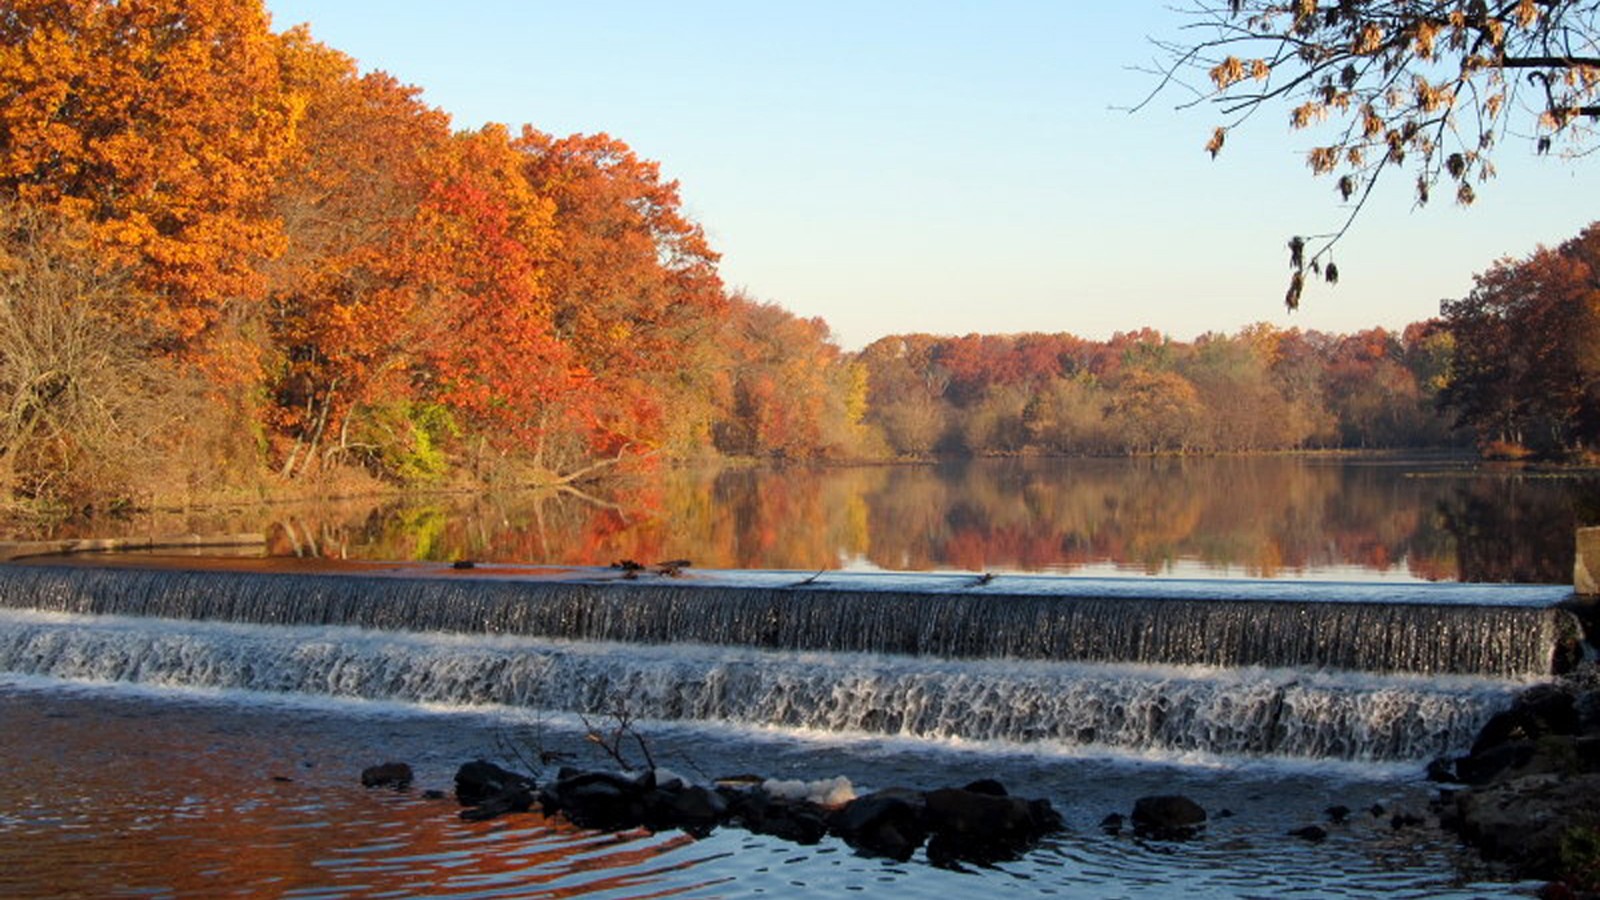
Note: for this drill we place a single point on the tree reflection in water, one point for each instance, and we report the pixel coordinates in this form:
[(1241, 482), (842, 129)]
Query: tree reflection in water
[(1245, 516)]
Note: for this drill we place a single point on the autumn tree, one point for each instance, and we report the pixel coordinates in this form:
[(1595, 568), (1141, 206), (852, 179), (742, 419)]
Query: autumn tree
[(79, 391), (490, 348), (1428, 88), (1526, 370), (632, 285), (792, 394), (906, 385), (350, 296), (160, 123)]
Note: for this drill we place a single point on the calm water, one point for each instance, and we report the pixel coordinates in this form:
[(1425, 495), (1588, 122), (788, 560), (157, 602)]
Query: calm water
[(1275, 517)]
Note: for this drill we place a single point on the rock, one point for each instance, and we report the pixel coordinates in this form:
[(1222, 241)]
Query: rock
[(696, 809), (1538, 711), (1313, 833), (489, 791), (801, 821), (1525, 820), (887, 823), (1338, 813), (984, 828), (480, 780), (1402, 820), (1112, 824), (1442, 770), (1168, 817), (987, 786), (390, 774), (599, 800), (1492, 762)]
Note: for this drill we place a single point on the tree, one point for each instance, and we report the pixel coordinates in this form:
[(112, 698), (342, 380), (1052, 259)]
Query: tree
[(1526, 370), (346, 296), (632, 284), (160, 122), (77, 382), (1434, 86)]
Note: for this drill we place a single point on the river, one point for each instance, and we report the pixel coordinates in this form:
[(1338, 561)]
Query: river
[(153, 752)]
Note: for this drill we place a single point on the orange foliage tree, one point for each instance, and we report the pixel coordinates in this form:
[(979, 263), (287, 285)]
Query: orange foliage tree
[(632, 288), (347, 296), (161, 123)]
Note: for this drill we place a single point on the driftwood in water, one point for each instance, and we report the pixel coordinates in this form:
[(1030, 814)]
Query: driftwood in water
[(10, 550)]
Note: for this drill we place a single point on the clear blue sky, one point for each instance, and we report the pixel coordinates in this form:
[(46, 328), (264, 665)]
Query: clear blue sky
[(953, 167)]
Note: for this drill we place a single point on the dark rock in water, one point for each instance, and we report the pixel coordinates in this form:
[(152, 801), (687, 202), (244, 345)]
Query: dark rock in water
[(390, 774), (512, 801), (1112, 824), (967, 826), (1531, 780), (1170, 817), (480, 780), (1493, 761), (696, 809), (1338, 813), (433, 794), (1312, 833), (600, 800), (800, 821), (463, 564), (1540, 710), (489, 791), (1442, 770), (1526, 820), (887, 823), (988, 786)]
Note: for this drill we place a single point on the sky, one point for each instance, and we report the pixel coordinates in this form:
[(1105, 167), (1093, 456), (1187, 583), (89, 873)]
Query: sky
[(956, 167)]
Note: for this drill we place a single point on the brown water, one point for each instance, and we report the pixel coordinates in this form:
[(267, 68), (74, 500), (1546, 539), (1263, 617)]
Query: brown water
[(1275, 517)]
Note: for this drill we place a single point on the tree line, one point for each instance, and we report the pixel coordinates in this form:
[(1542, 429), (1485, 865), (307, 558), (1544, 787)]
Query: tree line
[(232, 261)]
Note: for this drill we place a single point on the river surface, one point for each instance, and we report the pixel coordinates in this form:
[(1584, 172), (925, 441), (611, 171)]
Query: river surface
[(1337, 518), (114, 791), (151, 757)]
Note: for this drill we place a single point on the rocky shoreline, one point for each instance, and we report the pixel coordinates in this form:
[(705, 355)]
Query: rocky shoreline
[(1528, 792)]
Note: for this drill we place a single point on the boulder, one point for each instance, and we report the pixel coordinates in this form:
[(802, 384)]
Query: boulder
[(601, 800), (887, 823), (696, 809), (1525, 820), (797, 820), (487, 791), (1167, 817), (985, 828), (479, 780), (390, 774), (1540, 710)]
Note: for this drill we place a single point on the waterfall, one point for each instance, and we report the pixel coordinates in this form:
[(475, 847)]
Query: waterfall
[(1357, 672), (1456, 629), (1257, 712)]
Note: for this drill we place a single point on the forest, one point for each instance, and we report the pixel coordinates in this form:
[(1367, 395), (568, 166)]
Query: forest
[(233, 264)]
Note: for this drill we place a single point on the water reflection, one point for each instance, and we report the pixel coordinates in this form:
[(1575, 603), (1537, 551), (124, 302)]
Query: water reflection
[(1261, 517)]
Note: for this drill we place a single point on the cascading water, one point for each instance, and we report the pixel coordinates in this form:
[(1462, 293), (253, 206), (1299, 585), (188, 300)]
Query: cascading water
[(1307, 671)]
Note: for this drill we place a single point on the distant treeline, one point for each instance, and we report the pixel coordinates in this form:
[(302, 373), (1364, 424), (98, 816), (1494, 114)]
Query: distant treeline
[(231, 261)]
